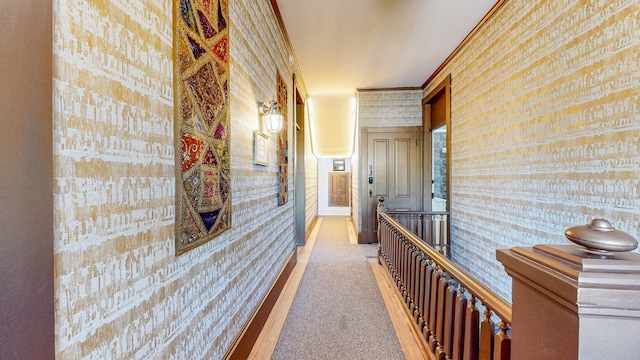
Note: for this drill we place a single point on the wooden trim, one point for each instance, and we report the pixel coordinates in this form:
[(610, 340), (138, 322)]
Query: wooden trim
[(444, 88), (441, 87), (247, 339), (391, 89), (310, 228), (464, 42)]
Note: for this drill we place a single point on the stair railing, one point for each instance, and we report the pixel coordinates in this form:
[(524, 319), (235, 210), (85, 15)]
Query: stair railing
[(444, 302), (432, 227)]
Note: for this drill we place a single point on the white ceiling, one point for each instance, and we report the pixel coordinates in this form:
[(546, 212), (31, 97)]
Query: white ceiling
[(343, 45)]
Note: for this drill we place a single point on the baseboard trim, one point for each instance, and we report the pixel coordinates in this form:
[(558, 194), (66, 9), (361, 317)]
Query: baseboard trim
[(309, 229), (247, 339)]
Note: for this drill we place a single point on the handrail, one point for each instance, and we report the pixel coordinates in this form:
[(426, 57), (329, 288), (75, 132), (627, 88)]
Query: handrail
[(488, 297), (393, 212), (432, 227), (441, 298)]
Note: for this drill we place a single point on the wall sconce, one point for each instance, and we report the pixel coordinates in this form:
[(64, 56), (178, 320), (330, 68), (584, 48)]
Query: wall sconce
[(271, 115)]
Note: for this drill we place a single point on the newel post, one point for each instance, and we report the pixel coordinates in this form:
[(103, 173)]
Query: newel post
[(576, 301)]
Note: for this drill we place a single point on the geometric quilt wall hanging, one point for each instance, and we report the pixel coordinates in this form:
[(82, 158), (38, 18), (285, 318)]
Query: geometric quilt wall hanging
[(203, 178), (283, 144)]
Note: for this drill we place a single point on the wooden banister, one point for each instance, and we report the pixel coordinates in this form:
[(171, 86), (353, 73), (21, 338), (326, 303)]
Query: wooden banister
[(441, 297)]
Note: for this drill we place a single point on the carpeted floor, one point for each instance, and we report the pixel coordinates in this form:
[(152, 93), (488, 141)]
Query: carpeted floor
[(338, 312)]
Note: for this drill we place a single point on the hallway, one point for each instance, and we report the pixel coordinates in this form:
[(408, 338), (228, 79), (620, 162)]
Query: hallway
[(332, 306)]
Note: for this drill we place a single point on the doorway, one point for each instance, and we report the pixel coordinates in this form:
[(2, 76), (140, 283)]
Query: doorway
[(437, 139), (391, 161), (439, 169)]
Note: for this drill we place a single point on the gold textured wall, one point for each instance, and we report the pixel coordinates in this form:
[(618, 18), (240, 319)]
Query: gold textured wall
[(120, 291), (310, 177), (545, 112), (389, 108)]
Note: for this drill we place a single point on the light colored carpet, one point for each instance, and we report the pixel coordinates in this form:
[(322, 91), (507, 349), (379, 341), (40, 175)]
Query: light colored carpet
[(338, 312)]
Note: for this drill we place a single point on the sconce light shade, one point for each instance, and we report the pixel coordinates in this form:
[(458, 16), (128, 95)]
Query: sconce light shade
[(271, 115)]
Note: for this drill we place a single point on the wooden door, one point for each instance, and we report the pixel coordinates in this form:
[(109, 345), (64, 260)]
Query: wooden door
[(338, 189), (393, 170)]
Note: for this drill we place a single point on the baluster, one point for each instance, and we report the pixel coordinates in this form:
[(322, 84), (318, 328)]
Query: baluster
[(449, 319), (426, 329), (417, 285), (382, 231), (422, 280), (410, 276), (472, 333), (399, 283), (502, 349), (396, 250), (413, 275), (443, 285), (445, 218), (458, 327), (443, 306), (391, 243), (439, 236), (388, 245), (414, 226), (399, 261), (389, 249), (433, 305), (405, 270), (486, 336), (393, 253), (443, 248), (434, 231)]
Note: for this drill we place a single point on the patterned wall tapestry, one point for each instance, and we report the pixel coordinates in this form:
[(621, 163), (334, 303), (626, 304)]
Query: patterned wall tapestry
[(203, 189), (283, 156)]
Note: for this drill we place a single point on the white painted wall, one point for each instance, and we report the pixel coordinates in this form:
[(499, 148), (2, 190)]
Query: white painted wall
[(325, 166), (328, 114)]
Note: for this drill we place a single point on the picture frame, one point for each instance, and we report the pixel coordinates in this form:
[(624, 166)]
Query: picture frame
[(260, 148), (338, 164)]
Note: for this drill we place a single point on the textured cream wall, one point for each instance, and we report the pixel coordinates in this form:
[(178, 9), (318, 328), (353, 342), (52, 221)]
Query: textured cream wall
[(310, 178), (545, 128), (120, 291), (390, 108)]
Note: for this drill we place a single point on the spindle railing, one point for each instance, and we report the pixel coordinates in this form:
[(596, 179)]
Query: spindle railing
[(432, 227), (444, 302)]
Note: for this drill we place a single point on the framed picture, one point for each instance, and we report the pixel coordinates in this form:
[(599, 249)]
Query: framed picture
[(338, 165), (260, 148)]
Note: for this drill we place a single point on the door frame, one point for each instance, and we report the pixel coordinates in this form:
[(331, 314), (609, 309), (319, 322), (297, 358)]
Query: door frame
[(347, 175), (299, 182), (443, 89), (367, 231)]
